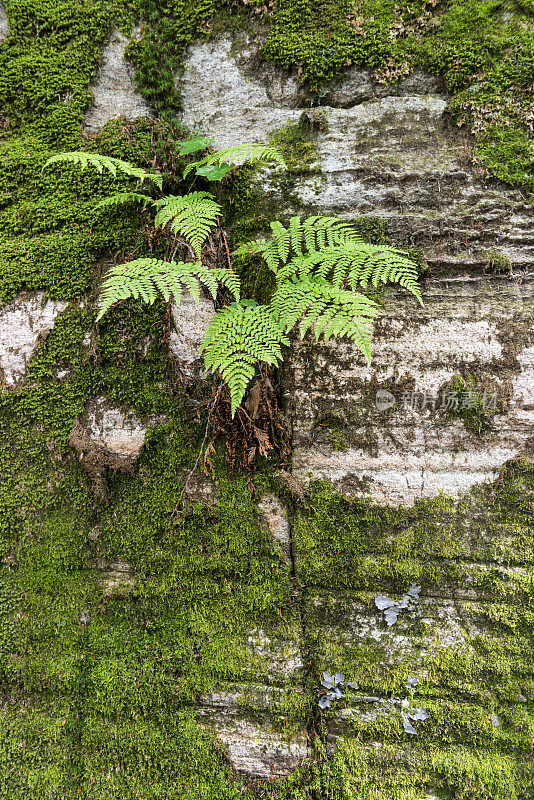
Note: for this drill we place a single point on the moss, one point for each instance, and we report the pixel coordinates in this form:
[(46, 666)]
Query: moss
[(296, 143), (474, 402)]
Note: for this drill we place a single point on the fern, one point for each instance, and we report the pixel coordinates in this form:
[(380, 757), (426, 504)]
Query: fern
[(318, 264), (193, 216), (334, 252), (148, 278), (313, 234), (237, 338), (122, 198), (100, 163), (253, 153), (331, 311), (229, 280)]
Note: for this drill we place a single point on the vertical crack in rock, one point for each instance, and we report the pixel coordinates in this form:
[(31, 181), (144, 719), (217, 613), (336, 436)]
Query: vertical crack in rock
[(114, 92), (246, 717)]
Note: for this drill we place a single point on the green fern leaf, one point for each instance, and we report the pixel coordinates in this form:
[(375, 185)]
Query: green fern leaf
[(123, 198), (148, 278), (192, 216), (237, 338), (326, 247), (253, 153), (331, 311), (113, 165), (230, 280)]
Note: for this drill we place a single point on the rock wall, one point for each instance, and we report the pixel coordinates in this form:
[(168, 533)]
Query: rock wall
[(179, 647)]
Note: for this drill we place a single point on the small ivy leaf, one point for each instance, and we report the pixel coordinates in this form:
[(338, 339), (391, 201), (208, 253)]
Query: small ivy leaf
[(407, 725), (339, 678), (324, 702), (405, 703), (412, 682), (352, 685), (382, 602), (214, 173), (413, 591), (194, 144), (391, 615), (418, 713)]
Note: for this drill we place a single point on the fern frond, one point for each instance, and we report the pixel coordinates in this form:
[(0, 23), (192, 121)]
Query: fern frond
[(237, 338), (230, 280), (100, 163), (192, 215), (326, 247), (355, 263), (312, 234), (330, 310), (123, 198), (149, 278), (251, 152)]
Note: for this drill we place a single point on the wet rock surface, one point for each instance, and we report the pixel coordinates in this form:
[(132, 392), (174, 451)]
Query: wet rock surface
[(190, 322)]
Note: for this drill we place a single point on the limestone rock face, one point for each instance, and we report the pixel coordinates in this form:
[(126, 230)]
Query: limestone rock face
[(190, 323), (22, 323), (107, 436), (114, 92), (386, 152), (255, 749), (220, 99), (416, 447)]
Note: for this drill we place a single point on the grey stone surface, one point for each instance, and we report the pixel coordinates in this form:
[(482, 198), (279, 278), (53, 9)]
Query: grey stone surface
[(4, 29), (107, 436), (356, 85), (114, 92), (22, 323), (190, 323), (117, 578), (482, 328), (112, 428), (394, 158), (254, 747), (220, 99)]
